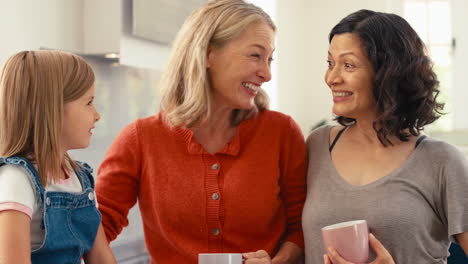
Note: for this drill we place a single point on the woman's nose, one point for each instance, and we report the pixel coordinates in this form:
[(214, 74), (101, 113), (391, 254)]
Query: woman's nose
[(333, 76), (265, 72)]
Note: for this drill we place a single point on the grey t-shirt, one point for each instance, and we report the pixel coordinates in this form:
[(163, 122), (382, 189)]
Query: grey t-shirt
[(414, 211)]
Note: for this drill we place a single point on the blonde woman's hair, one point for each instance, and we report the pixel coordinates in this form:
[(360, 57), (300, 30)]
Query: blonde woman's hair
[(185, 84), (34, 87)]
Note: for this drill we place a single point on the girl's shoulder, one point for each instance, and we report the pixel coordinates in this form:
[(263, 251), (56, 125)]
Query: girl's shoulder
[(13, 174), (18, 168), (16, 189)]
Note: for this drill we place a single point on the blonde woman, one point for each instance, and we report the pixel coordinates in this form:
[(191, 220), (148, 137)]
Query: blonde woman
[(48, 212), (214, 171)]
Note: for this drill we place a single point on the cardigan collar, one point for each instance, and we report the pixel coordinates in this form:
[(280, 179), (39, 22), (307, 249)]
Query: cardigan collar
[(232, 148)]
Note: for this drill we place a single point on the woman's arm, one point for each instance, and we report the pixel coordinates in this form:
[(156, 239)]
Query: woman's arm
[(15, 238), (289, 253), (462, 239), (293, 167), (101, 252), (118, 181)]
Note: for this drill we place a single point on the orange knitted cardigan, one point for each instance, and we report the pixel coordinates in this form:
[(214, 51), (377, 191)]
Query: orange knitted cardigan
[(246, 197)]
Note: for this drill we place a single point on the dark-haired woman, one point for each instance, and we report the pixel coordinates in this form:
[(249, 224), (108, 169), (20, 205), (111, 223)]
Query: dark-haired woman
[(377, 165)]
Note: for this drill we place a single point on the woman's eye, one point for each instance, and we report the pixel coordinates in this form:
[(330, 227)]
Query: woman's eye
[(270, 60), (90, 103), (255, 55), (329, 63), (348, 65)]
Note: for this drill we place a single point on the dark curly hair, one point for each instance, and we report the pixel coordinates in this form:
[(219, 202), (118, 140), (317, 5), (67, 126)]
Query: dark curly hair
[(405, 88)]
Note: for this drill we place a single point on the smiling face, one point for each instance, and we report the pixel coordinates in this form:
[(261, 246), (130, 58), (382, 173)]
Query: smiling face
[(350, 76), (239, 68), (79, 117)]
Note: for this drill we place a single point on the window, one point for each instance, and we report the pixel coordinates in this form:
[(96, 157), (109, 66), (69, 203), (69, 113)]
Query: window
[(432, 21), (442, 26)]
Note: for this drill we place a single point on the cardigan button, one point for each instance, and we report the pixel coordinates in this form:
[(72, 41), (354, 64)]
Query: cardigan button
[(48, 201), (215, 166), (215, 196), (91, 196), (215, 231)]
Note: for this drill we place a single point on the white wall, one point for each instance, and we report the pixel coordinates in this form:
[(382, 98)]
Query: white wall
[(90, 27), (102, 22), (32, 24), (460, 33), (138, 52), (302, 44)]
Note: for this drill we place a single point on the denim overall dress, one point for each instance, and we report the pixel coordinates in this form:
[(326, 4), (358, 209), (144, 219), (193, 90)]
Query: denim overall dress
[(70, 220)]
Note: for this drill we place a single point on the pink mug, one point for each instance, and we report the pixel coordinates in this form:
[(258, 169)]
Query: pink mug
[(349, 239)]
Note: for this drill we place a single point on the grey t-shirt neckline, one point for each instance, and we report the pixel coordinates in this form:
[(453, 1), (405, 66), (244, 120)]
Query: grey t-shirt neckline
[(338, 179)]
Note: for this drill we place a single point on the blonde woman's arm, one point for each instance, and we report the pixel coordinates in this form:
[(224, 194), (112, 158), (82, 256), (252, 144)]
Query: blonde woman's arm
[(15, 238), (101, 252)]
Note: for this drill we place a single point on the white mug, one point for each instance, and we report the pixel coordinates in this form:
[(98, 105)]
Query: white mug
[(219, 258)]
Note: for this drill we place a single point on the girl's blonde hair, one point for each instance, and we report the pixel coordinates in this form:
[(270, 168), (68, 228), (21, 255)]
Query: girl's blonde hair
[(185, 84), (34, 87)]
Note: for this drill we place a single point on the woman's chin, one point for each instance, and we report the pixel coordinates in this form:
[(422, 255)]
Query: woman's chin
[(246, 106), (339, 111)]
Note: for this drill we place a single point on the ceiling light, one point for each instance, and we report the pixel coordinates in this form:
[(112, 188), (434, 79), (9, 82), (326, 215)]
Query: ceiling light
[(112, 55)]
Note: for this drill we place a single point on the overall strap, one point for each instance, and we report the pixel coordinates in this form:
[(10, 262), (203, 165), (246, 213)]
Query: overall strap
[(85, 175), (336, 139), (30, 170)]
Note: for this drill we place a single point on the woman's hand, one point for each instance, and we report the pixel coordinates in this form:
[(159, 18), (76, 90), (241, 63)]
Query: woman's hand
[(258, 257), (383, 257), (289, 253)]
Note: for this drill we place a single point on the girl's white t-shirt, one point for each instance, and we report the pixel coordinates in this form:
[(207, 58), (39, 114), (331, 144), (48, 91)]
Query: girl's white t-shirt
[(17, 193)]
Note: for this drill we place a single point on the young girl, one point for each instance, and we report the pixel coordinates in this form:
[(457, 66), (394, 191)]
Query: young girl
[(48, 209)]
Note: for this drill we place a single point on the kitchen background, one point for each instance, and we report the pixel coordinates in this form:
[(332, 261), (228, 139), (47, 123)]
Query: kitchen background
[(128, 42)]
